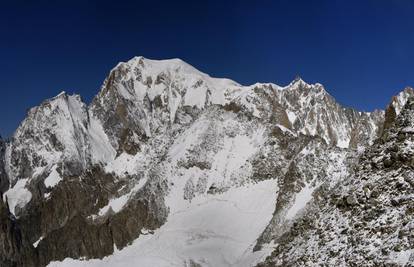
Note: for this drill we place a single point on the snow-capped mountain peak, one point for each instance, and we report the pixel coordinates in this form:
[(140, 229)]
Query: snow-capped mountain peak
[(164, 145)]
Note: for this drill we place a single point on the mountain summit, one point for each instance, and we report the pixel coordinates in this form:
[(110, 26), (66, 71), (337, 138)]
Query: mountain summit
[(168, 166)]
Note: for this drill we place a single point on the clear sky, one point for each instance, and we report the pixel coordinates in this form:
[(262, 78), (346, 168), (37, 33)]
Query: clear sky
[(362, 50)]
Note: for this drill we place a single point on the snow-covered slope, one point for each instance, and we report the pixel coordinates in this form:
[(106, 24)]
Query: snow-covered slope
[(366, 220), (142, 96), (209, 231), (169, 166), (310, 110)]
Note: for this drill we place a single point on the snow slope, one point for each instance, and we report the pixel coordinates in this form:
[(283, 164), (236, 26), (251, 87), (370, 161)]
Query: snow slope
[(18, 196), (212, 230)]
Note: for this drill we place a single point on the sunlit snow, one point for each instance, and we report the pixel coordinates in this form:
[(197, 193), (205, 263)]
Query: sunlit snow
[(18, 195), (215, 230)]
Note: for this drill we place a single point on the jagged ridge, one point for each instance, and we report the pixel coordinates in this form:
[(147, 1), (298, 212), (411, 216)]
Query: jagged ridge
[(161, 135)]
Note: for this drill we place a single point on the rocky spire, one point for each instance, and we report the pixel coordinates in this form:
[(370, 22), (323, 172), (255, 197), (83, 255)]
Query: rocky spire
[(395, 106)]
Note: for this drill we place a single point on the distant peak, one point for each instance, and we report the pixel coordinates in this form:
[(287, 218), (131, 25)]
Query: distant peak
[(64, 96), (157, 65), (297, 83), (297, 79), (409, 90), (138, 59), (399, 100), (63, 93)]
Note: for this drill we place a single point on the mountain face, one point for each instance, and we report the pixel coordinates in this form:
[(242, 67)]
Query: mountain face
[(366, 220), (169, 166)]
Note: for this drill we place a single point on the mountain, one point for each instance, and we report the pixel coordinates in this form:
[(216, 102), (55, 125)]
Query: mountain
[(367, 219), (169, 166)]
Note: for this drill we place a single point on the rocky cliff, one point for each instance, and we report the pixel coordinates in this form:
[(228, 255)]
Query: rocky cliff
[(366, 220), (4, 180)]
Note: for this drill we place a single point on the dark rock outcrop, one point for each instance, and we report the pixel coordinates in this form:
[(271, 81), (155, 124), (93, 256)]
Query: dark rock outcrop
[(15, 249), (4, 180)]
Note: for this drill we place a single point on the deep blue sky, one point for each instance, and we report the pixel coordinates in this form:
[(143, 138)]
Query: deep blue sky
[(362, 51)]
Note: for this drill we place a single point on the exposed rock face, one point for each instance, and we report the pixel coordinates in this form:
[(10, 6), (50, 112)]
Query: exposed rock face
[(365, 220), (35, 145), (141, 97), (316, 167), (15, 250), (395, 107), (310, 110), (73, 208), (162, 139), (4, 180)]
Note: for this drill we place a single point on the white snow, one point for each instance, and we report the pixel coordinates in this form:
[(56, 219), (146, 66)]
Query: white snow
[(35, 244), (301, 199), (177, 76), (408, 129), (101, 149), (291, 116), (213, 230), (117, 204), (235, 152), (62, 93), (401, 257), (229, 158), (53, 179), (400, 100), (174, 103), (285, 130), (342, 143), (189, 138), (195, 97), (125, 164), (18, 195)]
